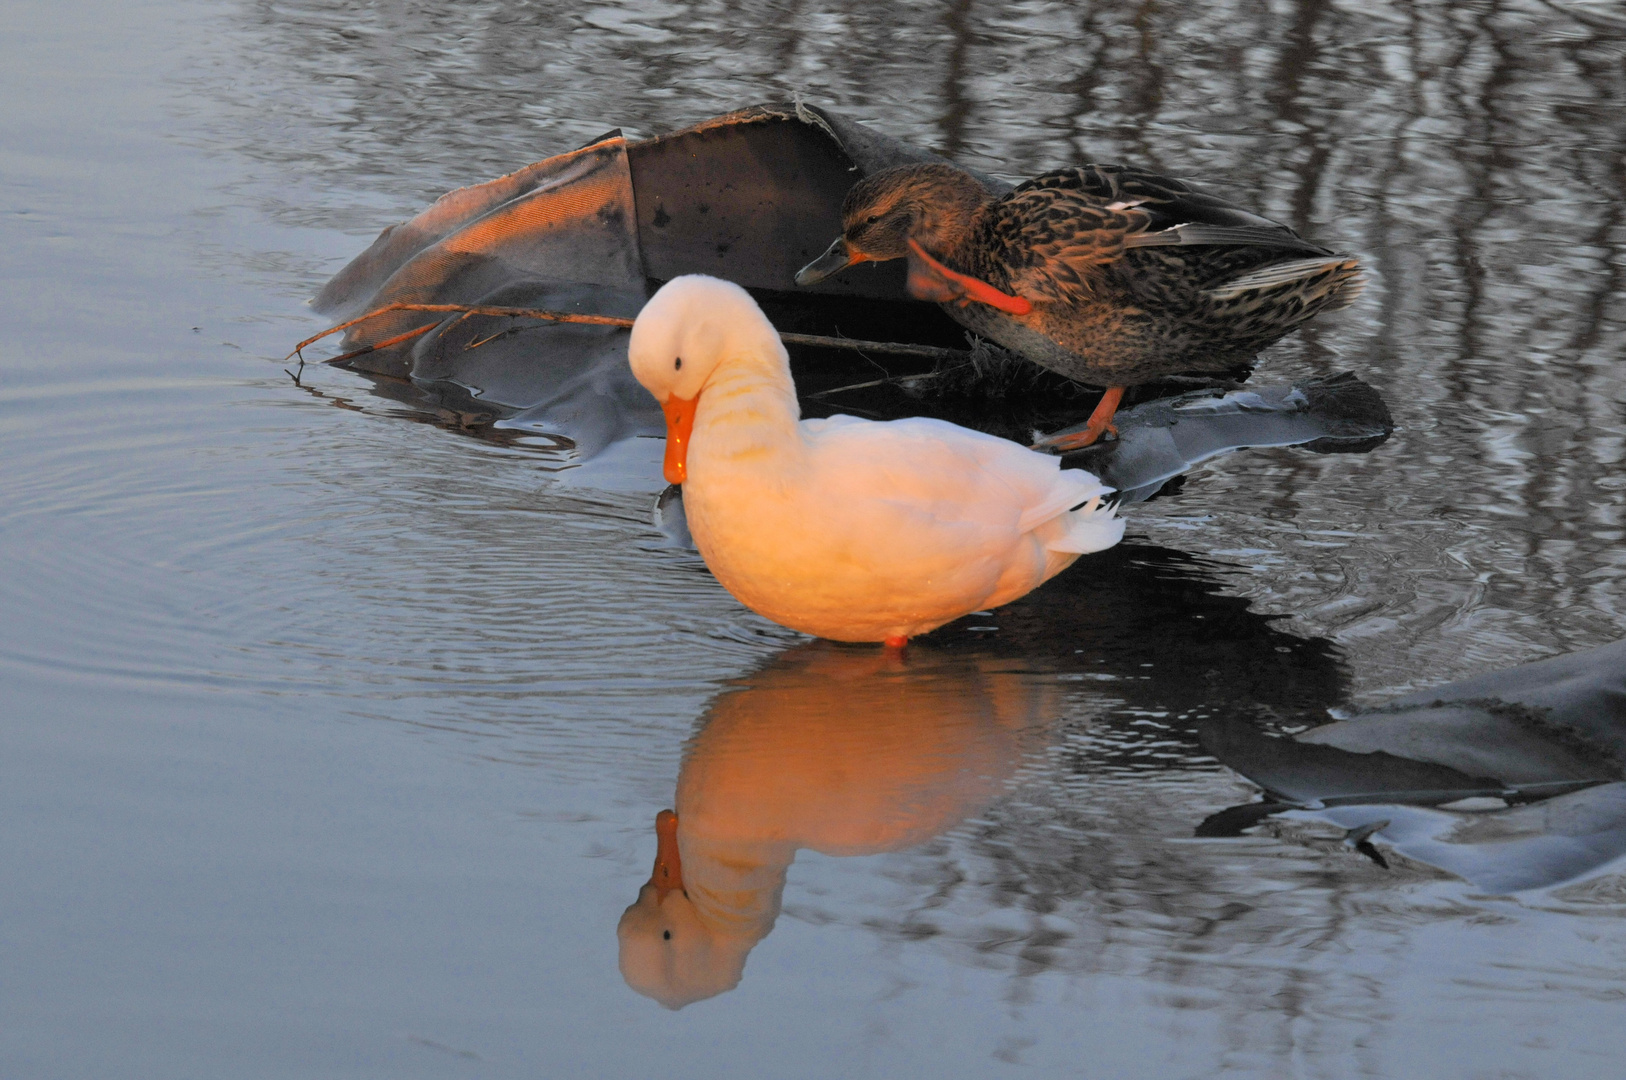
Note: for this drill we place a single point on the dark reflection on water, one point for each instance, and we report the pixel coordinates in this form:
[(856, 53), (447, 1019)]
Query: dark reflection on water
[(1162, 627)]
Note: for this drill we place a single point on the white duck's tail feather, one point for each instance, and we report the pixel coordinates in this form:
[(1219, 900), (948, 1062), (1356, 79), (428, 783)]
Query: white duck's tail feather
[(1069, 488), (1092, 527)]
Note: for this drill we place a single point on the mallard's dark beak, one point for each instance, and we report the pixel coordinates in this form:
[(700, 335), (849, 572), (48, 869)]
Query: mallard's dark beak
[(833, 261)]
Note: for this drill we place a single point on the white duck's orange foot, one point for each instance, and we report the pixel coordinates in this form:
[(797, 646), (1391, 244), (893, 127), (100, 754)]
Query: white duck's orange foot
[(895, 641)]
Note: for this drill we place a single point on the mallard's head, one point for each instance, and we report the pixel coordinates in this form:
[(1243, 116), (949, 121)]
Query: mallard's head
[(935, 204)]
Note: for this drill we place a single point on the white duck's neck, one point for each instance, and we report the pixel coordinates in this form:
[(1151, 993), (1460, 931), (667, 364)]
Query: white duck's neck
[(737, 884), (747, 416)]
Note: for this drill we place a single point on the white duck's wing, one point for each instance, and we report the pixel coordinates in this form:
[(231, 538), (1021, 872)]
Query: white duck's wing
[(942, 473)]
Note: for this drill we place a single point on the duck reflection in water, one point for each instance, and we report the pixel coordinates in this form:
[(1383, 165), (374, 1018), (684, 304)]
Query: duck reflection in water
[(843, 750), (849, 751)]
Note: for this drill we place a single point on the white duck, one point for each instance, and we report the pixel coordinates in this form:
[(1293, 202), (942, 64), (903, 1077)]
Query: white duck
[(844, 528)]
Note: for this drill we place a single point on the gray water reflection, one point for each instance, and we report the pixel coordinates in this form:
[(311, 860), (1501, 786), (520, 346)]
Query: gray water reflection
[(330, 740)]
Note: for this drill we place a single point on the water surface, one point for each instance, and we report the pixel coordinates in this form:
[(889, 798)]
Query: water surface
[(333, 741)]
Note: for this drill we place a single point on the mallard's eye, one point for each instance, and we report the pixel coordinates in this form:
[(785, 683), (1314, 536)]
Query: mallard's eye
[(677, 365), (872, 219)]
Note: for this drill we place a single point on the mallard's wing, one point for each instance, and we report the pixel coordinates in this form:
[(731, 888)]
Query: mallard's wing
[(1053, 230)]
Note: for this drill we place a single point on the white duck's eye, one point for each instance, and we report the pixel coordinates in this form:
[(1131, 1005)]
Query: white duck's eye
[(677, 365), (667, 935)]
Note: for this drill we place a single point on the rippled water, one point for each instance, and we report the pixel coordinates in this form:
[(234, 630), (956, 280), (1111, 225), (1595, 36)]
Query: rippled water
[(332, 741)]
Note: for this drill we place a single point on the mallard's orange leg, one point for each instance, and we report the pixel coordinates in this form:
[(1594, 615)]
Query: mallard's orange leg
[(895, 641), (1099, 423)]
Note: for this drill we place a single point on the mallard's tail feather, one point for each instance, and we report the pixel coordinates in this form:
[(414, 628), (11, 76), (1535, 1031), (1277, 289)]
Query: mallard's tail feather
[(1324, 284), (1268, 235)]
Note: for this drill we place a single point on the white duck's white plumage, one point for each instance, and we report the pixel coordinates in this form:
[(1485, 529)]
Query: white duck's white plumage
[(843, 528)]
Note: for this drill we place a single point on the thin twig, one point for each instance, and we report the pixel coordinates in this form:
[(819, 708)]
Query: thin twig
[(386, 343), (851, 386), (889, 380), (492, 337), (895, 348), (465, 309)]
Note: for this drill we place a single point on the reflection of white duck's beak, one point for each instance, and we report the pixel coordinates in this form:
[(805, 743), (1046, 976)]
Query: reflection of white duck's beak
[(668, 873)]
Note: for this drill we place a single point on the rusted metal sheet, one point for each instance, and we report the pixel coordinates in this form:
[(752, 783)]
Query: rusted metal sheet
[(566, 219), (753, 195)]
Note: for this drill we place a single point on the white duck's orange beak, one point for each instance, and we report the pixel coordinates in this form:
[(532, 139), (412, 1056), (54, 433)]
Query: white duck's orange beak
[(668, 873), (679, 425)]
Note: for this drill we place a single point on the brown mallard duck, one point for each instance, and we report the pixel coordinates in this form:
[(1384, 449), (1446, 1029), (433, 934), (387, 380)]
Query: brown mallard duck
[(1109, 275)]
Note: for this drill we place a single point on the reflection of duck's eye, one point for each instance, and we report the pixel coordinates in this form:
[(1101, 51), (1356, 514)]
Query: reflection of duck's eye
[(667, 934)]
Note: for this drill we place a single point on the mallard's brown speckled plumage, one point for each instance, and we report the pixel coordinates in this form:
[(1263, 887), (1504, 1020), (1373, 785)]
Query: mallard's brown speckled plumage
[(1127, 276)]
